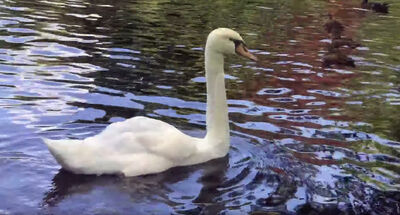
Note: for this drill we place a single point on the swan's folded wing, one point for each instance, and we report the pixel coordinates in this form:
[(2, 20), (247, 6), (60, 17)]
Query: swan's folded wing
[(146, 135), (172, 144)]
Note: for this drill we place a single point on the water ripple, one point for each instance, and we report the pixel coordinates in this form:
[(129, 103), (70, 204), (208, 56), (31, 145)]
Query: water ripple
[(305, 139)]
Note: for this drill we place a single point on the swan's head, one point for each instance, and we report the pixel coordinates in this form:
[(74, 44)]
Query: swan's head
[(227, 41)]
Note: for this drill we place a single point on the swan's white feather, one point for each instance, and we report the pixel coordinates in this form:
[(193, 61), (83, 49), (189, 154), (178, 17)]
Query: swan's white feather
[(136, 146)]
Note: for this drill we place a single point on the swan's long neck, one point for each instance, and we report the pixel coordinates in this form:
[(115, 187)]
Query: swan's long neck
[(217, 109)]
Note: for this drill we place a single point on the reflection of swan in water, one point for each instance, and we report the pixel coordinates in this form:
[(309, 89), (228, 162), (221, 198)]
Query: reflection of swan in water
[(197, 182), (142, 145)]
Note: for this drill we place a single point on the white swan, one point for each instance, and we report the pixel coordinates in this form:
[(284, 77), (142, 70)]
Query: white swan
[(142, 145)]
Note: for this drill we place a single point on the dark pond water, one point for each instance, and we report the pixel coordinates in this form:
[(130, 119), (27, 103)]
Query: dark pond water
[(305, 139)]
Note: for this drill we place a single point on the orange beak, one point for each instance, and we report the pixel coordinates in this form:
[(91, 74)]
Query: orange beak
[(242, 50)]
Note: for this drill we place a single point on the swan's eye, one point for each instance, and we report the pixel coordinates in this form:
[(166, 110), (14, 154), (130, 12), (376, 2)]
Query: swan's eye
[(237, 42)]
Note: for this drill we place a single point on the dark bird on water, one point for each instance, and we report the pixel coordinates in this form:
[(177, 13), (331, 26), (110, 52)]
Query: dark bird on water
[(339, 42), (334, 27), (335, 56), (374, 6)]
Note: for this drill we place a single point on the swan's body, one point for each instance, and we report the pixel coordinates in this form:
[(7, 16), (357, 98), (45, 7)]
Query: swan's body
[(142, 145)]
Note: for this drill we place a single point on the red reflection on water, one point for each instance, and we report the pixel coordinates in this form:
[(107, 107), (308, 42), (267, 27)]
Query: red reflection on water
[(296, 63)]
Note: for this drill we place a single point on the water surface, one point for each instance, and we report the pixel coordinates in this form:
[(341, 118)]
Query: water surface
[(305, 139)]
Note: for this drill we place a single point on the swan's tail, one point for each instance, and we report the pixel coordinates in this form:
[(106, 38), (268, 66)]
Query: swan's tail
[(62, 150)]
